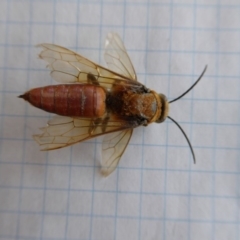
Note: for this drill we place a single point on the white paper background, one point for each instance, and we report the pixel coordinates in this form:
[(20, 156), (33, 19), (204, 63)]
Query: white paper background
[(157, 192)]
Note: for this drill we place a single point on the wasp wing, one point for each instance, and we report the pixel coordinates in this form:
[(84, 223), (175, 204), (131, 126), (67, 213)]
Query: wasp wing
[(64, 131), (69, 67), (117, 57), (113, 147), (114, 144)]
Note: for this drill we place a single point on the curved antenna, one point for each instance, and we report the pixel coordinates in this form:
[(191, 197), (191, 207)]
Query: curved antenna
[(199, 78), (191, 148)]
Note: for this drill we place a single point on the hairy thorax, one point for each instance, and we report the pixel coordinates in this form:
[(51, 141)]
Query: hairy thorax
[(137, 105)]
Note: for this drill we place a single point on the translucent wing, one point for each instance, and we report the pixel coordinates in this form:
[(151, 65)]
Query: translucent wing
[(63, 131), (117, 58), (114, 145), (69, 67)]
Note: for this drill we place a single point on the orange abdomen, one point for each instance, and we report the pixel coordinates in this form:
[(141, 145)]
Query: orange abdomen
[(76, 100)]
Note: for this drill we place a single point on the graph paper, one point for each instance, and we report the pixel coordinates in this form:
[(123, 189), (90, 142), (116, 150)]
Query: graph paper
[(156, 192)]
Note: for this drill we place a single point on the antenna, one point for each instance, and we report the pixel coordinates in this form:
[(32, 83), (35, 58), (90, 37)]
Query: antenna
[(194, 159), (204, 70), (199, 78)]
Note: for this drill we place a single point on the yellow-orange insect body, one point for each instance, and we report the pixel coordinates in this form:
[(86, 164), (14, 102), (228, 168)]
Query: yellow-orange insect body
[(92, 100)]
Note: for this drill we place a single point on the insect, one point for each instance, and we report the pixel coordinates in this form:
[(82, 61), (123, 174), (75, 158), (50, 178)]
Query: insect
[(93, 100)]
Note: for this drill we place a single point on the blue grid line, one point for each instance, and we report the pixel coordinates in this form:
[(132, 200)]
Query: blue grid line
[(198, 5), (127, 26), (95, 147), (143, 132), (167, 130), (152, 3), (70, 164), (215, 118), (44, 196), (130, 168), (13, 45), (68, 195), (238, 165), (47, 155), (117, 177), (24, 134), (152, 145), (5, 74), (34, 238), (203, 196), (129, 217), (150, 74), (191, 120)]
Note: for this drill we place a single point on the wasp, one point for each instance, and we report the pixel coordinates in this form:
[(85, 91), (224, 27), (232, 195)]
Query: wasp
[(92, 100)]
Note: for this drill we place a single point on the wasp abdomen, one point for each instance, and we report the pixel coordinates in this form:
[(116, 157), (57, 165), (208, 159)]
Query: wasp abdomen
[(77, 100)]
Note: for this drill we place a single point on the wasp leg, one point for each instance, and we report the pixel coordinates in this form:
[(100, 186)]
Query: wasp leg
[(92, 79)]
